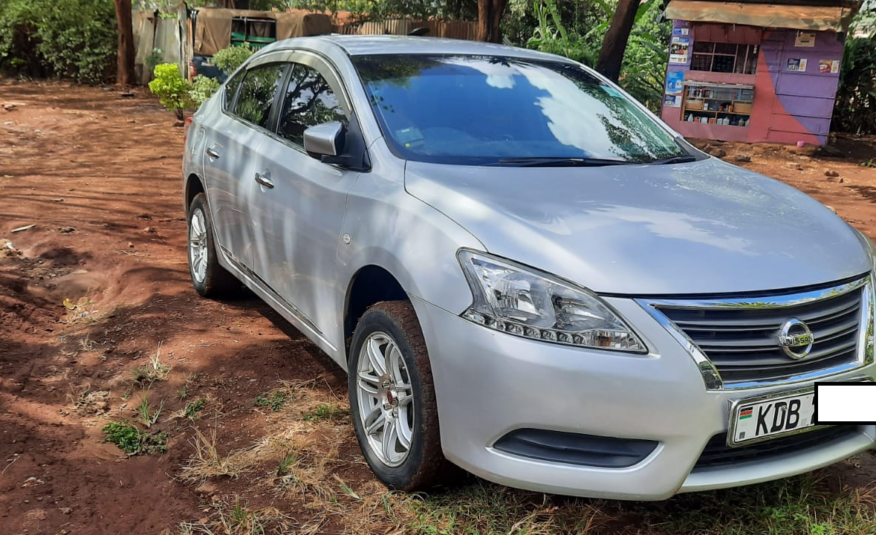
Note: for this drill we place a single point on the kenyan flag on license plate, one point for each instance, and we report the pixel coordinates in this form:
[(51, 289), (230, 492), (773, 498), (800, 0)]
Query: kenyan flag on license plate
[(745, 413)]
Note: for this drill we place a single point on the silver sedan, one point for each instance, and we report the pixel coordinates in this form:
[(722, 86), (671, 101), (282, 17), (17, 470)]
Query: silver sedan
[(524, 272)]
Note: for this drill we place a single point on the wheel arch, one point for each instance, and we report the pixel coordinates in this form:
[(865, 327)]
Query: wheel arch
[(194, 185), (370, 285)]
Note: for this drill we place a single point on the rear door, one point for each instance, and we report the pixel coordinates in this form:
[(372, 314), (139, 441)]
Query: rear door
[(301, 210), (232, 141)]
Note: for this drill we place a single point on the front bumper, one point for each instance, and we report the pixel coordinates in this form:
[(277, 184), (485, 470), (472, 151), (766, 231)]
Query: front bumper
[(489, 383)]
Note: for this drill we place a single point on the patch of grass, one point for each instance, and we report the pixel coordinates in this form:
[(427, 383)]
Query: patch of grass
[(193, 408), (207, 461), (804, 504), (869, 163), (485, 508), (148, 417), (146, 374), (238, 519), (183, 393), (132, 440), (325, 411), (274, 399), (286, 463)]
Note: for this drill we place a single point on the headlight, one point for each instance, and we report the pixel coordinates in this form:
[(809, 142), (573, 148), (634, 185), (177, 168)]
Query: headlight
[(523, 302)]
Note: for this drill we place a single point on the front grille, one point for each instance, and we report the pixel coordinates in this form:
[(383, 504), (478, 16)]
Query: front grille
[(742, 340), (718, 453)]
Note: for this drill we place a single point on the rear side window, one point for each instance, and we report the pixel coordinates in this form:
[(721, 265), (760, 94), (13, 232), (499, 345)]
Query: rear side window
[(256, 94), (231, 89), (309, 101)]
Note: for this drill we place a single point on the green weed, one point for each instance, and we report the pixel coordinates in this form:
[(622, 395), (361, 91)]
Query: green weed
[(275, 400), (194, 407), (132, 440), (326, 411)]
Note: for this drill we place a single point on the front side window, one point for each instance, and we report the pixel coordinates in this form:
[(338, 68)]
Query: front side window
[(484, 110), (308, 101), (256, 94)]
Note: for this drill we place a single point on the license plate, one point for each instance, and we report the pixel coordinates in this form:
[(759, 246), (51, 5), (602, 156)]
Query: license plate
[(767, 417)]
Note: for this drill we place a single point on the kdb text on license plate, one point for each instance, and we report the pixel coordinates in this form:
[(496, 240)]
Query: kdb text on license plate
[(763, 417)]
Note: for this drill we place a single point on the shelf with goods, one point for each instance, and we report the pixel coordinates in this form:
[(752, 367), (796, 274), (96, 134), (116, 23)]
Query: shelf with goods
[(718, 104)]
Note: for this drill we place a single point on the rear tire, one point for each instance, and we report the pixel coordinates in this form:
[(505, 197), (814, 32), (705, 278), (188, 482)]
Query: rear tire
[(209, 278), (392, 399)]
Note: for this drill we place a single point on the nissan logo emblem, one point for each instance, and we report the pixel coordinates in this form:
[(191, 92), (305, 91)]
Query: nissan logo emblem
[(796, 339)]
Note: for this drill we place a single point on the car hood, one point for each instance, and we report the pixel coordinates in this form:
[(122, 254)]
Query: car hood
[(697, 228)]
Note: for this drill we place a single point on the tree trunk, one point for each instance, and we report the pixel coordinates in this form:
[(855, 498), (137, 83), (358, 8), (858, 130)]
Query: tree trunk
[(125, 72), (611, 56), (489, 18)]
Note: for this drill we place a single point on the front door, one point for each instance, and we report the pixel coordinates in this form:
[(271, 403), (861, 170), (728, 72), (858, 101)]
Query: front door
[(301, 200), (232, 143)]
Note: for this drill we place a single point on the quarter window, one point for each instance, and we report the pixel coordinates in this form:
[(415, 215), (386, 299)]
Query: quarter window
[(309, 101), (256, 95), (231, 89)]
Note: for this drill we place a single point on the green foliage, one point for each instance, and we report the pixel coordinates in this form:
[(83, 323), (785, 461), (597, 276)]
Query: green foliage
[(194, 407), (363, 10), (229, 59), (644, 66), (202, 89), (855, 108), (274, 400), (326, 411), (133, 441), (72, 39), (171, 88)]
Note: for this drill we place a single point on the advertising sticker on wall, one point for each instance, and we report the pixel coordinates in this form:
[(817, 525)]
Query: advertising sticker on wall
[(824, 66), (797, 64), (805, 39), (678, 50), (674, 87), (834, 66)]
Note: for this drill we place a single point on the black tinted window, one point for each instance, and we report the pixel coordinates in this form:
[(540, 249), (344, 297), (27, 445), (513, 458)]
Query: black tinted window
[(482, 110), (309, 101), (256, 95), (230, 89)]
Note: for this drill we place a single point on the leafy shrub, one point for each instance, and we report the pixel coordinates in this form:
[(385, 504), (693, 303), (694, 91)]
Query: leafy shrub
[(171, 88), (855, 109), (72, 39), (229, 59), (203, 88), (133, 441)]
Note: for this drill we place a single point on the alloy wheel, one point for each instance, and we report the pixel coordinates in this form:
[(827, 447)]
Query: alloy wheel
[(198, 245), (386, 402)]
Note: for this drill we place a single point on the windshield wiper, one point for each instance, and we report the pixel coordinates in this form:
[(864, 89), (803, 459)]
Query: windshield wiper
[(674, 159), (558, 162)]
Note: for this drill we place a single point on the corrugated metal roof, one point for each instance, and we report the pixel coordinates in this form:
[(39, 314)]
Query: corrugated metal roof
[(797, 17)]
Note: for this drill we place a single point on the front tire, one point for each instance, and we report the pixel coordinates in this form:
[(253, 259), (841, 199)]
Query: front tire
[(209, 278), (392, 399)]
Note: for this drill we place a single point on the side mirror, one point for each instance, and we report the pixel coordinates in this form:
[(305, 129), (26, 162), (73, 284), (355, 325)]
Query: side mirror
[(325, 139)]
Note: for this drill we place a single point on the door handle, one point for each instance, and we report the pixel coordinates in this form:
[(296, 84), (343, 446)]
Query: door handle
[(212, 153), (264, 180)]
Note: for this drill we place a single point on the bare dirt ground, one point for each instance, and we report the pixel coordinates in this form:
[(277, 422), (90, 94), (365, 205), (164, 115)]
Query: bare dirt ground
[(97, 314)]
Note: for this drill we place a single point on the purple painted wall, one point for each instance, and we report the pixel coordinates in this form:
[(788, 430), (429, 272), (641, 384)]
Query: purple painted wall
[(808, 96)]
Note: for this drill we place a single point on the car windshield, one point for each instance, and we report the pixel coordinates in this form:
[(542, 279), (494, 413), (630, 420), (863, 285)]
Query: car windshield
[(487, 110)]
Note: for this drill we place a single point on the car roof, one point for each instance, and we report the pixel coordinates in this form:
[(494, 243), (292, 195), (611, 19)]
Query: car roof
[(359, 45)]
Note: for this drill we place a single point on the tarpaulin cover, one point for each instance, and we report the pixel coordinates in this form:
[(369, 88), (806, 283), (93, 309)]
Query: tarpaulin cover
[(766, 16), (302, 24), (213, 26)]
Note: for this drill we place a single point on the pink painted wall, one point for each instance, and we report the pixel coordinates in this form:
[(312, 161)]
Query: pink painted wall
[(788, 106)]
